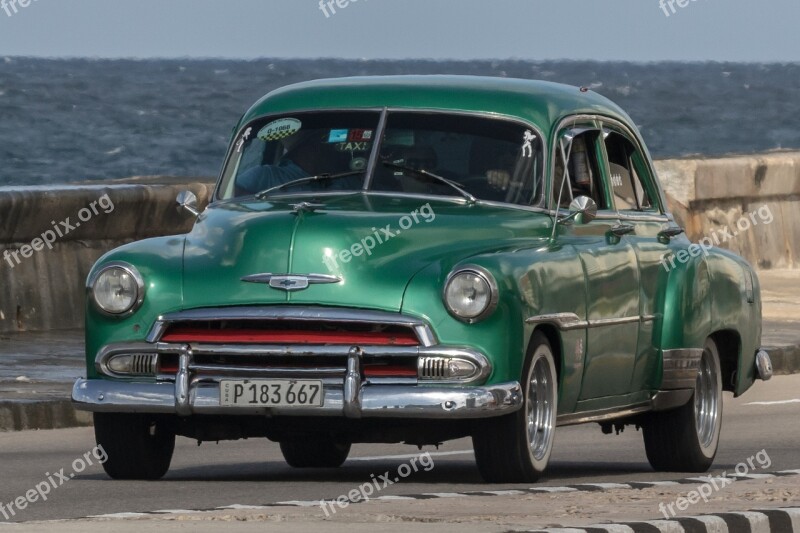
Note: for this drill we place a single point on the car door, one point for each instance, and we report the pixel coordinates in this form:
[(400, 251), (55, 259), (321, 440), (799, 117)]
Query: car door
[(638, 202), (609, 263)]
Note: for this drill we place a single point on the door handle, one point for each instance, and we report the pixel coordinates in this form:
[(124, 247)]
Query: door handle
[(670, 232), (622, 229)]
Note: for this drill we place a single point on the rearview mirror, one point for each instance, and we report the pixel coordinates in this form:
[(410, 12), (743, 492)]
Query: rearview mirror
[(187, 200), (583, 209)]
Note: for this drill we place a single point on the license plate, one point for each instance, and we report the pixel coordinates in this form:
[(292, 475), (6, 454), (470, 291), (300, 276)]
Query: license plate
[(271, 393)]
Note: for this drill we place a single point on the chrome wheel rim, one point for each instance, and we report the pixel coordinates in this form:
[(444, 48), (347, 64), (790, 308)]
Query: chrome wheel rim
[(540, 408), (706, 401)]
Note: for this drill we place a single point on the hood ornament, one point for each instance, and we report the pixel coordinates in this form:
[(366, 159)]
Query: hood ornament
[(291, 282)]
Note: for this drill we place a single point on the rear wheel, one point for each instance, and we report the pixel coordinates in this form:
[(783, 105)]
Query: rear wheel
[(138, 446), (516, 448), (315, 452), (686, 439)]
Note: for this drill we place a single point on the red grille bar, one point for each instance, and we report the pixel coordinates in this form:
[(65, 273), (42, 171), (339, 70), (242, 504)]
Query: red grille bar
[(255, 336)]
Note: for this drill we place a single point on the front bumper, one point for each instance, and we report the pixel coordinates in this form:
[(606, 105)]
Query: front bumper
[(369, 401), (347, 390)]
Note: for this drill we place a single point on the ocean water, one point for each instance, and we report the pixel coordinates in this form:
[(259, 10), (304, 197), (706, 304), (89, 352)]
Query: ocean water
[(75, 120)]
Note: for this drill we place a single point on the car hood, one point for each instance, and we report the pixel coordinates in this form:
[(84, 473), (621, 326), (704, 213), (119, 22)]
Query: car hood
[(373, 244)]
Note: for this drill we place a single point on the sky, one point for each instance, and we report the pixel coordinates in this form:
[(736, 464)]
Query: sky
[(632, 30)]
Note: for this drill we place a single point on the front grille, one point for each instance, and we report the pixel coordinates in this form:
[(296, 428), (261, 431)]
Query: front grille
[(284, 332), (291, 342)]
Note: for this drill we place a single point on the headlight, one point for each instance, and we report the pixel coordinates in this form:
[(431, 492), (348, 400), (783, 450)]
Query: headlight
[(117, 289), (470, 294)]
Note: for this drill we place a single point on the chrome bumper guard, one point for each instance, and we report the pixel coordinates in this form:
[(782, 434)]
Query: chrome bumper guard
[(351, 397), (763, 365)]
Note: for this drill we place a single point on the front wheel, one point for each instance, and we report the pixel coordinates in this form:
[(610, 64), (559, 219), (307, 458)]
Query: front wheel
[(516, 448), (137, 446), (686, 439)]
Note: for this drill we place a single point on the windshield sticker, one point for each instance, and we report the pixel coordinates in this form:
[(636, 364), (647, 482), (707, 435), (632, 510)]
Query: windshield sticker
[(527, 146), (357, 136), (245, 136), (280, 129), (353, 147), (358, 164), (338, 136)]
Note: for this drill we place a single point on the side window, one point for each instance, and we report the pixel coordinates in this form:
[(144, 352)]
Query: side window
[(625, 166), (582, 171)]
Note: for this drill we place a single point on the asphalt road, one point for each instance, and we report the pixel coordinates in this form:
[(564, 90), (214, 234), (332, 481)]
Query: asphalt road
[(253, 472)]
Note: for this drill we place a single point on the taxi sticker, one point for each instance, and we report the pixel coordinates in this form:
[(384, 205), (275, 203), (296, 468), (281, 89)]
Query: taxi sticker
[(359, 135), (353, 147), (280, 129), (338, 136)]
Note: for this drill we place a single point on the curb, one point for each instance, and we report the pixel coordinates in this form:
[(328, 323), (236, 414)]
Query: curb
[(785, 359), (786, 520), (46, 414)]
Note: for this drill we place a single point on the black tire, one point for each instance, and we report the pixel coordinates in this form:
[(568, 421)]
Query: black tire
[(315, 452), (138, 446), (504, 449), (686, 439)]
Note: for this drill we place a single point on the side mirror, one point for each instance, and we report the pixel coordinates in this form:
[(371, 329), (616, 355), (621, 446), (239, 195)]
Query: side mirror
[(187, 200), (583, 209)]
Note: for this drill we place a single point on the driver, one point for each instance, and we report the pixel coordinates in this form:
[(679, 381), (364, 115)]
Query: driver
[(303, 159)]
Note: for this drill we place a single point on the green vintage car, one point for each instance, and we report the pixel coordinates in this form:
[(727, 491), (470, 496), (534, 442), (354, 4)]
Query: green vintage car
[(420, 259)]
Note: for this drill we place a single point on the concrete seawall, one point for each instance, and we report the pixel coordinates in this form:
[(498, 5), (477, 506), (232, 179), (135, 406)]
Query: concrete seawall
[(747, 204), (45, 290)]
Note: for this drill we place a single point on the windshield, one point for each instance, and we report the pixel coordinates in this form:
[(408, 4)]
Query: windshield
[(436, 154), (273, 152)]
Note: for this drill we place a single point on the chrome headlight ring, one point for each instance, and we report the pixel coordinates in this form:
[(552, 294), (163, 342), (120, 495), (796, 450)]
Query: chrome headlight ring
[(484, 289), (128, 278)]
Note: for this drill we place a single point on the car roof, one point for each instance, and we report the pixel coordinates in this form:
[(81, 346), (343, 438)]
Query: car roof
[(540, 102)]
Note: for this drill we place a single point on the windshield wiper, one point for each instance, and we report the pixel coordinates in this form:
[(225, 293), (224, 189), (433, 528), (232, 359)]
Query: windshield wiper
[(426, 174), (320, 177)]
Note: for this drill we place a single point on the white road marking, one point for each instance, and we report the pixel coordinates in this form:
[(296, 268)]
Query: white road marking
[(777, 402), (120, 515), (499, 492), (444, 494), (390, 497), (410, 456), (299, 503), (238, 507), (606, 486)]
